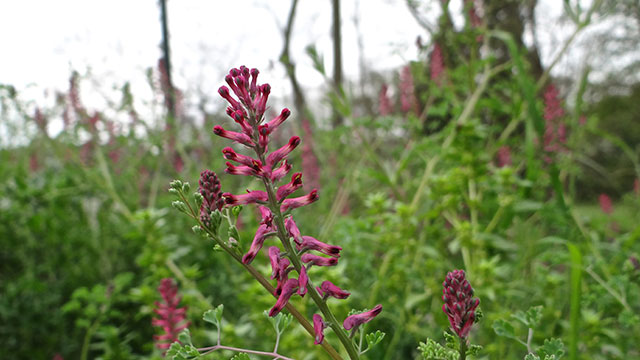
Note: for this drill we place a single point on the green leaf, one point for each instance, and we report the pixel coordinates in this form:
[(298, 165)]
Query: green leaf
[(214, 316), (531, 357), (185, 337), (503, 328), (552, 347), (531, 318), (431, 350), (374, 338)]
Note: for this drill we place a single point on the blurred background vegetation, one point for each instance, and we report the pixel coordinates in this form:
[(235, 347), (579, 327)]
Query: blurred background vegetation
[(477, 154)]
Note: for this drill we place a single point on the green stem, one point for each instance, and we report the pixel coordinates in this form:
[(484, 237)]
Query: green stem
[(463, 349), (297, 264)]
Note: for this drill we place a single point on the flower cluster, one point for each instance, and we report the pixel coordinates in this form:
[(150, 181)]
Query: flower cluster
[(209, 188), (171, 316), (459, 303), (555, 133), (436, 64), (247, 109)]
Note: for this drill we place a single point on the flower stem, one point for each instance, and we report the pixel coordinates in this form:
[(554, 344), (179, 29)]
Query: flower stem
[(463, 349), (295, 260)]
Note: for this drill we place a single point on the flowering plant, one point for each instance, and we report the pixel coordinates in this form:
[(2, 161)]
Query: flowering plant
[(297, 253)]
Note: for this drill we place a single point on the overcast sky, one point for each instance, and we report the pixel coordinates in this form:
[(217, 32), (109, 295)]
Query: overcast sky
[(43, 40)]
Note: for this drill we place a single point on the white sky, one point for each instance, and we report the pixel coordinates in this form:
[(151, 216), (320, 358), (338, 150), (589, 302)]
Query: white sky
[(43, 40)]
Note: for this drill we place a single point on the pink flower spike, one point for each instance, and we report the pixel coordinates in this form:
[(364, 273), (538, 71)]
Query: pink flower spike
[(384, 103), (172, 317), (354, 321), (293, 231), (280, 172), (605, 204), (459, 304), (291, 187), (303, 280), (232, 135), (318, 327), (256, 245), (436, 64), (327, 289), (504, 156), (312, 259), (274, 258), (295, 203), (311, 243), (288, 290), (274, 158), (251, 197), (272, 125)]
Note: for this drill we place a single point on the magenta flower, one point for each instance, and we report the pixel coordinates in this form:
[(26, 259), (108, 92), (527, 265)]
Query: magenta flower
[(605, 204), (312, 259), (459, 304), (436, 64), (251, 197), (318, 327), (303, 280), (209, 188), (172, 318), (555, 131), (292, 230), (408, 101), (275, 157), (232, 135), (327, 289), (354, 321), (301, 201), (288, 290), (258, 240), (384, 103), (310, 243), (290, 188), (504, 156)]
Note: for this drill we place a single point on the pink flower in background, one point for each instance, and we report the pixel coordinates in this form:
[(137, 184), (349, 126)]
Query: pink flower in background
[(459, 303), (408, 101), (171, 317), (436, 64), (636, 186), (384, 103), (555, 133), (504, 156), (474, 18), (310, 164), (605, 204), (354, 321), (34, 165), (57, 357)]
